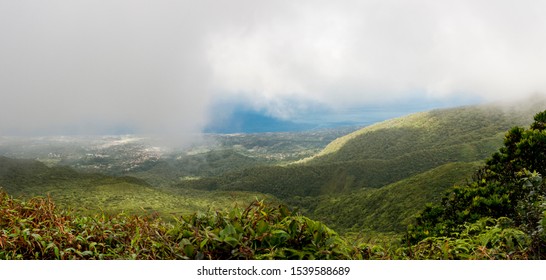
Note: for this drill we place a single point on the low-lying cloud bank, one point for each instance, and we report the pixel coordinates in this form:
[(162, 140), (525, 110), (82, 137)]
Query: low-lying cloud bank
[(158, 67)]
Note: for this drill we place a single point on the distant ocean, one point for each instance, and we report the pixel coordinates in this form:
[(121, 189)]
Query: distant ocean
[(246, 120)]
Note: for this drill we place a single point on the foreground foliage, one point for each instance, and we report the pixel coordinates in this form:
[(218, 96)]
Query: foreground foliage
[(508, 188), (37, 229)]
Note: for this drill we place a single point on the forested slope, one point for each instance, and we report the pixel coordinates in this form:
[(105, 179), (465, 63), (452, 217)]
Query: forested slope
[(385, 153), (97, 192), (390, 208), (503, 208)]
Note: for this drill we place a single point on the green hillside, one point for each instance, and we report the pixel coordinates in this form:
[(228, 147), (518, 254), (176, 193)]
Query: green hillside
[(387, 209), (504, 207), (384, 153), (92, 192), (423, 131), (339, 177), (212, 163)]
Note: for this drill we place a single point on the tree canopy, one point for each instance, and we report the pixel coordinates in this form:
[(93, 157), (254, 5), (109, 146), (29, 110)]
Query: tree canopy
[(509, 187)]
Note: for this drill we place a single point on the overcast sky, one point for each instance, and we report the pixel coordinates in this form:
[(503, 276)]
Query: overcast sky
[(158, 66)]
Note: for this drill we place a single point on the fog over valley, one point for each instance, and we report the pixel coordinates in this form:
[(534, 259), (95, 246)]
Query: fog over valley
[(173, 69)]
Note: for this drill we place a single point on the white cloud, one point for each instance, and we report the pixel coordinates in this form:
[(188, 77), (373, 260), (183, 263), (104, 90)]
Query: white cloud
[(86, 65), (372, 51), (158, 65)]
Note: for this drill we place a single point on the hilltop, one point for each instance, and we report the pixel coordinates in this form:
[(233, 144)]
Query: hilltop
[(384, 153)]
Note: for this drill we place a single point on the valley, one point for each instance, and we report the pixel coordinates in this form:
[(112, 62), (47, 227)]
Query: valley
[(366, 183), (130, 174)]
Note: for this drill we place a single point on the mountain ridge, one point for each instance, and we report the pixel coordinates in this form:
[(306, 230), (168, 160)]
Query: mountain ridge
[(386, 152)]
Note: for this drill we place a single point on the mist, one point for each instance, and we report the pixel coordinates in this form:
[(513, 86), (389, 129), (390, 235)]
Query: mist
[(85, 67), (159, 67)]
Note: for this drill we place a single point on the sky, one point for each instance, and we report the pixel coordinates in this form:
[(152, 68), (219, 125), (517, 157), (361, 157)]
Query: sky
[(172, 68)]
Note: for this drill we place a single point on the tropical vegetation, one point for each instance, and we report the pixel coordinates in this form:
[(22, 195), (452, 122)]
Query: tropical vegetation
[(433, 185)]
